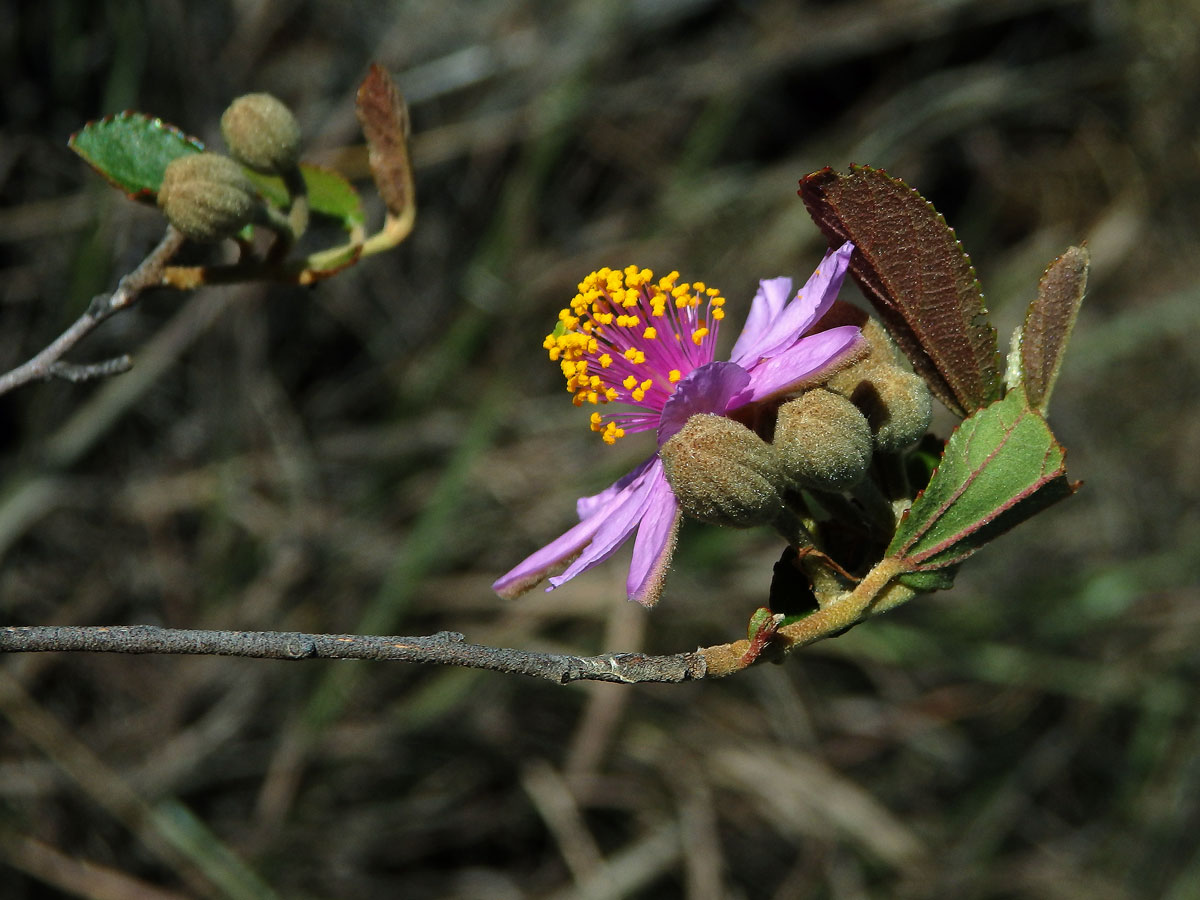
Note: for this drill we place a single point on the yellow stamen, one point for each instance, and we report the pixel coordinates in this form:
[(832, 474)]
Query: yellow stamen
[(620, 312)]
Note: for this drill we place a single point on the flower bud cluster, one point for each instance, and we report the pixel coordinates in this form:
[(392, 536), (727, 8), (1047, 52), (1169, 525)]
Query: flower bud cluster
[(208, 196), (724, 473)]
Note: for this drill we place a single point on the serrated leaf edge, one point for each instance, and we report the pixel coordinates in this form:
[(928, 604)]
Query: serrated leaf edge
[(913, 343), (142, 194)]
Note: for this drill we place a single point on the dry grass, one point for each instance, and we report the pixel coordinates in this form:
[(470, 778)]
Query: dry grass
[(370, 454)]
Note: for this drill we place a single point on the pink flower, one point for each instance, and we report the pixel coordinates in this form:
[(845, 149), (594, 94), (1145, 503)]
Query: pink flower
[(627, 339)]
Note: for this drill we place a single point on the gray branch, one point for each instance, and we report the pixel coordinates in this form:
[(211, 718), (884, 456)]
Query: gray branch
[(443, 648), (48, 364), (78, 372)]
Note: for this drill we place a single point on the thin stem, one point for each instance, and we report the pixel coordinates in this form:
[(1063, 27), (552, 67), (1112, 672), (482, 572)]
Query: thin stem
[(874, 593), (87, 372), (46, 364), (445, 648), (877, 591)]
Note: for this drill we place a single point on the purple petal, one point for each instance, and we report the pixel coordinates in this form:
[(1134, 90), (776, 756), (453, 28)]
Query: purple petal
[(654, 545), (807, 360), (768, 303), (708, 389), (586, 507), (617, 522), (812, 302), (577, 544), (555, 555)]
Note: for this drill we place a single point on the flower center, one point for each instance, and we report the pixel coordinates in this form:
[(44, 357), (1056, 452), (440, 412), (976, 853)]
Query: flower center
[(626, 338)]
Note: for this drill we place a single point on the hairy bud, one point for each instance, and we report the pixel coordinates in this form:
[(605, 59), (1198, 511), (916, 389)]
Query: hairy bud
[(822, 441), (262, 133), (207, 196), (896, 403), (723, 473)]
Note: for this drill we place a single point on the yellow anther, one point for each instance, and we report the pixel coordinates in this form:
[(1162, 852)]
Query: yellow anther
[(612, 433), (621, 311)]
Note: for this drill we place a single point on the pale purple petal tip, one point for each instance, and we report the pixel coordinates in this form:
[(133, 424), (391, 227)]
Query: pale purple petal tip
[(555, 555), (768, 303), (654, 545), (810, 303), (586, 507), (611, 517), (617, 522)]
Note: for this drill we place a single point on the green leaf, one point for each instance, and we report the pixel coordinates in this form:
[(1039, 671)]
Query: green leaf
[(132, 150), (1048, 324), (329, 193), (917, 275), (1001, 465)]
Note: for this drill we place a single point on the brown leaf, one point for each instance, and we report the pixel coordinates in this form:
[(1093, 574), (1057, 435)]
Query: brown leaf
[(384, 119), (1049, 322), (911, 266)]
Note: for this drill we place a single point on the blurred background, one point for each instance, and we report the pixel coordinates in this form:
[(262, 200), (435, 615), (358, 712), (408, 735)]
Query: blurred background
[(368, 454)]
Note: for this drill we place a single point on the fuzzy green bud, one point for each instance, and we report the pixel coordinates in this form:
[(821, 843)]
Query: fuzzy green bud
[(822, 441), (207, 196), (896, 402), (262, 134), (902, 411), (723, 473)]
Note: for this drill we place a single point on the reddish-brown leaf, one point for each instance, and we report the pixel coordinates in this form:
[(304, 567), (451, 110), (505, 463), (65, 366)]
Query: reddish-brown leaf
[(917, 275), (1049, 322), (384, 120)]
